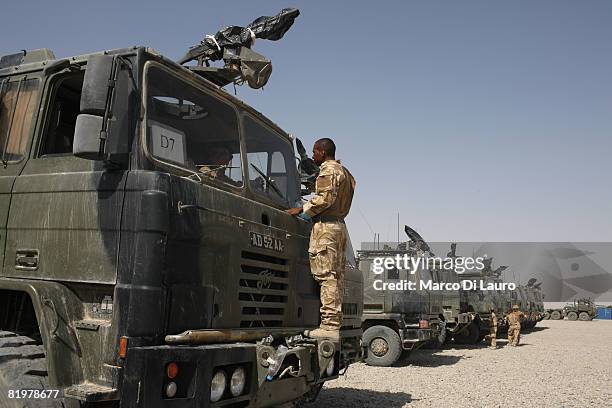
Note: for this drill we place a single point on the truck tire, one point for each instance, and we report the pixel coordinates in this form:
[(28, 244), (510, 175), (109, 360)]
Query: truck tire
[(572, 316), (469, 335), (384, 346), (584, 316), (23, 367), (546, 316), (555, 315)]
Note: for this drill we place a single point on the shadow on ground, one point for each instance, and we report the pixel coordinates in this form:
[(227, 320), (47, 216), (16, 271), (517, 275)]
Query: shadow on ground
[(536, 329), (337, 397), (427, 358)]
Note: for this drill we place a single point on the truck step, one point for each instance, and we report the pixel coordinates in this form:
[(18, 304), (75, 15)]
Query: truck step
[(90, 392)]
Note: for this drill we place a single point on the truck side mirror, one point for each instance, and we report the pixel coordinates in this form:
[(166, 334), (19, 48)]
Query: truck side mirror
[(95, 125)]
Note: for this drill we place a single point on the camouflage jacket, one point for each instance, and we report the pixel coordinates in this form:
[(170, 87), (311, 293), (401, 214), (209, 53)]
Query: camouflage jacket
[(334, 191), (514, 318)]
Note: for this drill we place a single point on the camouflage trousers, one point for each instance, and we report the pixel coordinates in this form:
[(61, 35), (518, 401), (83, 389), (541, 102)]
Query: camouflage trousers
[(493, 336), (514, 335), (327, 264)]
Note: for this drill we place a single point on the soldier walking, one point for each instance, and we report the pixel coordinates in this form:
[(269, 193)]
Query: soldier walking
[(328, 207), (514, 326), (493, 330)]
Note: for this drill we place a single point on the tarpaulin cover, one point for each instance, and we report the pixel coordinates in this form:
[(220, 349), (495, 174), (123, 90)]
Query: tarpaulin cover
[(264, 27)]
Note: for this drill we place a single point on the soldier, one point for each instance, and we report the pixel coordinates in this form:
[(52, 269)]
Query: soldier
[(218, 159), (328, 207), (514, 326), (493, 330)]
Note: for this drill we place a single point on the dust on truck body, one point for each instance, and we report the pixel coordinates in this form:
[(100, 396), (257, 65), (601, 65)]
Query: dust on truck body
[(395, 319), (130, 276)]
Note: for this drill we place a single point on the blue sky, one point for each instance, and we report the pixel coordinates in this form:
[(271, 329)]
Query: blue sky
[(475, 120)]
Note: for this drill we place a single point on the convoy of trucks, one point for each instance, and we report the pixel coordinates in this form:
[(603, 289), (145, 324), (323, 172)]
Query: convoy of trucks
[(135, 273)]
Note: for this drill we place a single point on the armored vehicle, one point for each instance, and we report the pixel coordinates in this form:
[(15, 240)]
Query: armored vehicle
[(456, 310), (531, 303), (147, 260), (477, 304), (395, 318), (467, 312)]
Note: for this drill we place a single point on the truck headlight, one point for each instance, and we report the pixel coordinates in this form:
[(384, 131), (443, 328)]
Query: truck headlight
[(330, 368), (171, 389), (217, 386), (238, 381)]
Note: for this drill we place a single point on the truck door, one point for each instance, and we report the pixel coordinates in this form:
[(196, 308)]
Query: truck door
[(63, 207), (19, 98)]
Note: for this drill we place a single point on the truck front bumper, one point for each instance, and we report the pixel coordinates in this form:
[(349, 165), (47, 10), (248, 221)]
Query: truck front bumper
[(414, 337), (146, 382)]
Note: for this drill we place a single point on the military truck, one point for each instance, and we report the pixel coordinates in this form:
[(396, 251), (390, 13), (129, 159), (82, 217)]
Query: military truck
[(531, 303), (455, 309), (395, 320), (477, 304), (138, 271), (583, 309), (467, 312)]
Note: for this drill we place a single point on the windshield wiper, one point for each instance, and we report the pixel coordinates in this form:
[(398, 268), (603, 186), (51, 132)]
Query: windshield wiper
[(217, 168), (269, 181)]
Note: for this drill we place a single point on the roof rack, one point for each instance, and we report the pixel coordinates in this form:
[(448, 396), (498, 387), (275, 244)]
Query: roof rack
[(26, 57)]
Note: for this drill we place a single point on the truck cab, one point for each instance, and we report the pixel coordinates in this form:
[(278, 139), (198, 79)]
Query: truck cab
[(396, 320), (147, 260)]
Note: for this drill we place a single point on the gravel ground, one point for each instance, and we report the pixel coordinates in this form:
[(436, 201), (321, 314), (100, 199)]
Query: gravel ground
[(558, 364)]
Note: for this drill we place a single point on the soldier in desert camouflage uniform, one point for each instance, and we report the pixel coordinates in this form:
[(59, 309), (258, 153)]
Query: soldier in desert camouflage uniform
[(514, 326), (218, 159), (328, 207), (493, 330)]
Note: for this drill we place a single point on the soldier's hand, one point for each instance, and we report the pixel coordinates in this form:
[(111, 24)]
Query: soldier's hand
[(294, 211)]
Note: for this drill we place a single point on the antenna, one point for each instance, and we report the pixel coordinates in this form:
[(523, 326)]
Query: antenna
[(398, 231)]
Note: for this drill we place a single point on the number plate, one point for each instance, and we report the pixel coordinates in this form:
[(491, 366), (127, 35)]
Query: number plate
[(266, 242)]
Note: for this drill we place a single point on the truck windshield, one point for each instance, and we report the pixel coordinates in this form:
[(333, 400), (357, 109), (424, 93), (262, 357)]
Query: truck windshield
[(190, 129), (272, 169)]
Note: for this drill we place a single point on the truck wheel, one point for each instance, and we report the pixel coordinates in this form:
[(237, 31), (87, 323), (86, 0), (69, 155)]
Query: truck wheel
[(384, 346), (546, 316), (572, 316), (584, 316), (555, 315), (469, 335), (23, 367)]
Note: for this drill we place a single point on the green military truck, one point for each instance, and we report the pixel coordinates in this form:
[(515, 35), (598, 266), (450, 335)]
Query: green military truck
[(475, 306), (133, 277), (395, 320), (529, 297), (583, 309)]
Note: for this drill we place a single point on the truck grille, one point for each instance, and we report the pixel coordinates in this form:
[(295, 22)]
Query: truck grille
[(263, 291), (349, 309)]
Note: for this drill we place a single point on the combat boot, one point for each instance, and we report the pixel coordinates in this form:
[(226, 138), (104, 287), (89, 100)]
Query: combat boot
[(333, 335)]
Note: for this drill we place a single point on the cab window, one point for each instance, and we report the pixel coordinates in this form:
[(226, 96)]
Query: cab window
[(271, 164), (18, 100), (189, 129), (63, 109)]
